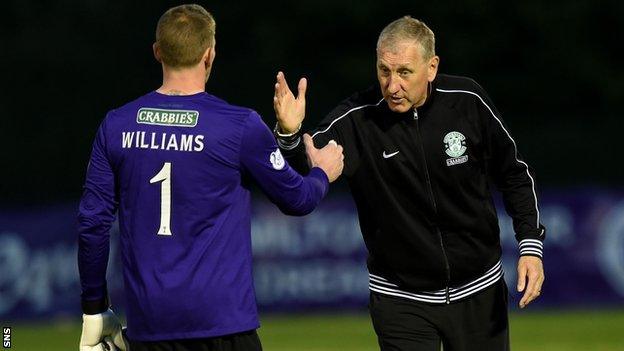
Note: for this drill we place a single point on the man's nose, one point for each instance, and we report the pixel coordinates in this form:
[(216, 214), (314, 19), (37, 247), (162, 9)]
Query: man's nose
[(394, 84)]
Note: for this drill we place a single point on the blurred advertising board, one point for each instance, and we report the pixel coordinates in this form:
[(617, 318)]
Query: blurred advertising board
[(318, 261)]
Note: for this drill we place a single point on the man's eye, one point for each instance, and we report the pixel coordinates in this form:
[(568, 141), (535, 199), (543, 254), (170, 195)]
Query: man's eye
[(404, 73)]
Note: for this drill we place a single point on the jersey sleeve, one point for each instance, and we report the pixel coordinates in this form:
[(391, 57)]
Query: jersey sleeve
[(262, 159), (96, 214), (514, 178), (294, 149)]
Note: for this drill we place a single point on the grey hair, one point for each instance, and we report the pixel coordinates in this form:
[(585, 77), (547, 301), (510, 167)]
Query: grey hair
[(408, 28)]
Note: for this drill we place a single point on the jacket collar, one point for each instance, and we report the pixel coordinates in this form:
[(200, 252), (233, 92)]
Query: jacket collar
[(430, 97)]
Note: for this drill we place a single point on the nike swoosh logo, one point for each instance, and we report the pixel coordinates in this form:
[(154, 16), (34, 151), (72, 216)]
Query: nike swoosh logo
[(385, 155)]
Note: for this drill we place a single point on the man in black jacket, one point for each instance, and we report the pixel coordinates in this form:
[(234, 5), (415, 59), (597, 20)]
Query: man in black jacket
[(419, 159)]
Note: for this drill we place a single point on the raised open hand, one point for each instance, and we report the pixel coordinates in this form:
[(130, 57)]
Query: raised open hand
[(289, 111)]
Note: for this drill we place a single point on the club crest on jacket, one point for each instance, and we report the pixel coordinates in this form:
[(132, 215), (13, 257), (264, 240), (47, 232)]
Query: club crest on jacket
[(455, 146)]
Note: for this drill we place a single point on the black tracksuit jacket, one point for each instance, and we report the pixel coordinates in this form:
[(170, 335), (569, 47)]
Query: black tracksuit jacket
[(422, 180)]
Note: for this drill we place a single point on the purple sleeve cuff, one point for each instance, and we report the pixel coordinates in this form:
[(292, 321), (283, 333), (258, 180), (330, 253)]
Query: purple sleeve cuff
[(95, 306), (321, 179)]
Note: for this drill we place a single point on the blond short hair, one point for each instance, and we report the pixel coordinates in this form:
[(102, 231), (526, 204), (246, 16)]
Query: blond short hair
[(183, 35), (408, 28)]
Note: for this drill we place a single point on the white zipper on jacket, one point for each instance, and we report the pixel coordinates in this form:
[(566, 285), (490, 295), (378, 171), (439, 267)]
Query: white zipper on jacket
[(435, 208)]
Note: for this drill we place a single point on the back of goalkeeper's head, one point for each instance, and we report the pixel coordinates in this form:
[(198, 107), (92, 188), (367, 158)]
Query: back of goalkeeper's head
[(183, 35)]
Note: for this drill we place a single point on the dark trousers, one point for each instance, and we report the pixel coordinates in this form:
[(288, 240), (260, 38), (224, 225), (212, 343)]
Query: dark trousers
[(246, 341), (477, 323)]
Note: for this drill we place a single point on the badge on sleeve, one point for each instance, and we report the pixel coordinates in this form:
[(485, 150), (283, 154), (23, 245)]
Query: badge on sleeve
[(277, 160)]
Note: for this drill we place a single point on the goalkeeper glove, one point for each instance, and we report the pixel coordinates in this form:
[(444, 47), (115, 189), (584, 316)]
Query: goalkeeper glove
[(97, 327)]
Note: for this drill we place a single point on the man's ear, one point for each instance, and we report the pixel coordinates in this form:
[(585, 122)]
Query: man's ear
[(434, 62), (156, 50), (209, 56)]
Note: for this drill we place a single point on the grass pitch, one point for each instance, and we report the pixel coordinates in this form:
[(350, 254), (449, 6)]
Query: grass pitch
[(549, 331)]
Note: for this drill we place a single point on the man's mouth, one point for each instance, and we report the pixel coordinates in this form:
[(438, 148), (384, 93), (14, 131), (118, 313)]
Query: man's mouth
[(396, 100)]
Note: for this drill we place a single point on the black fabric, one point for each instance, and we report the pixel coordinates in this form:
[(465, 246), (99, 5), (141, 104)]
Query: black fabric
[(478, 323), (425, 209), (246, 341), (95, 306)]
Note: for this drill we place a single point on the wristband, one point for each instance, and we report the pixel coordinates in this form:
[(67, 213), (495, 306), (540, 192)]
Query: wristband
[(277, 131)]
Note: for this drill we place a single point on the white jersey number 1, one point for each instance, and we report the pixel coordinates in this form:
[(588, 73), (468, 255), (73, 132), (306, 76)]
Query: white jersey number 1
[(164, 175)]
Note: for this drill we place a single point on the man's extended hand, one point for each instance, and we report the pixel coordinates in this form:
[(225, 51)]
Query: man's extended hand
[(101, 332), (330, 158), (530, 278), (289, 110)]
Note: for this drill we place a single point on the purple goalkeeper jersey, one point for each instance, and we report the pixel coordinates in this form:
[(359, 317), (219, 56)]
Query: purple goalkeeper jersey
[(177, 169)]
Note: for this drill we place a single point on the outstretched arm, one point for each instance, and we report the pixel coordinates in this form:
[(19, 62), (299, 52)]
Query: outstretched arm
[(292, 193)]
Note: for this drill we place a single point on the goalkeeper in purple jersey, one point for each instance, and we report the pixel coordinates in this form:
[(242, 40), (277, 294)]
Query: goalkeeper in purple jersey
[(176, 164)]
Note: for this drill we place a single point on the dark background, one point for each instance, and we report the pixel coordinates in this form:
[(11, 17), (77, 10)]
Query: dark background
[(553, 69)]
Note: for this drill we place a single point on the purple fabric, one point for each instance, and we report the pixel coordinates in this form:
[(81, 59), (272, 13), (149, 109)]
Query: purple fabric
[(196, 282)]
